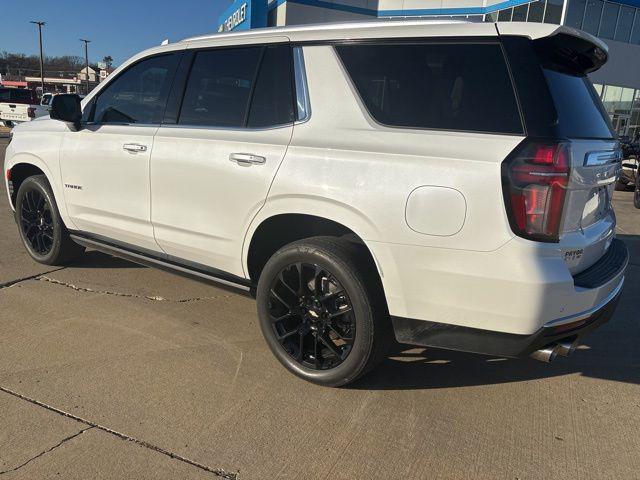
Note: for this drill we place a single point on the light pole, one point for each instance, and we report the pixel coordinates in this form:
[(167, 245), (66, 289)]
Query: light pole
[(86, 61), (40, 25)]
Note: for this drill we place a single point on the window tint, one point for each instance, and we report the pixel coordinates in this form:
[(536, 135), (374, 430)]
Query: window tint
[(138, 95), (580, 111), (505, 15), (15, 95), (443, 86), (272, 102), (219, 87), (635, 31)]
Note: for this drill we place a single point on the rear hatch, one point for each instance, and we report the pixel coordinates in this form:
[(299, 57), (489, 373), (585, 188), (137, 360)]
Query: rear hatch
[(559, 183)]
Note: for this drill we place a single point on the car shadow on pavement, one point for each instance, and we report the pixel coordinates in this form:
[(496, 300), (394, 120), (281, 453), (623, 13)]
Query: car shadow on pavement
[(94, 259), (611, 352)]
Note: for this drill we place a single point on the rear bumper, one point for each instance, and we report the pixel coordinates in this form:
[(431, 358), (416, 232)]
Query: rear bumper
[(453, 337)]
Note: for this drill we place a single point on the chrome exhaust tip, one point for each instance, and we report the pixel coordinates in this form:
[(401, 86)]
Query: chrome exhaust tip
[(547, 354), (566, 347)]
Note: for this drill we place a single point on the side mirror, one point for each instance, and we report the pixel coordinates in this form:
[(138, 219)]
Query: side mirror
[(66, 108)]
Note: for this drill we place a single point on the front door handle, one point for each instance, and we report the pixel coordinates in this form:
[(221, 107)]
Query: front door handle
[(247, 159), (134, 147)]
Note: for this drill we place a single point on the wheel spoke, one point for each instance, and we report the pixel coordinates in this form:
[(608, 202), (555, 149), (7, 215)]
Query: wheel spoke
[(316, 311), (279, 298), (330, 345), (339, 313)]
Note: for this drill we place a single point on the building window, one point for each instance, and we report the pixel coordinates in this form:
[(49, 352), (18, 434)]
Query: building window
[(520, 13), (575, 13), (609, 20), (625, 22), (553, 12), (505, 15), (635, 32), (592, 16), (536, 12)]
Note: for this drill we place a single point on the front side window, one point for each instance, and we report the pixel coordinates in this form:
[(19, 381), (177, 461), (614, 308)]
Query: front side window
[(139, 95), (463, 87)]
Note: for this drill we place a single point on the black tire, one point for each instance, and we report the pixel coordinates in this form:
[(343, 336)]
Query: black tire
[(621, 186), (41, 228), (8, 124), (636, 193), (347, 280)]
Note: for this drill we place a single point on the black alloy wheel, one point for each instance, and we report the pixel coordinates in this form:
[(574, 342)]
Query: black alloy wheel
[(322, 310), (36, 222), (41, 228), (312, 316)]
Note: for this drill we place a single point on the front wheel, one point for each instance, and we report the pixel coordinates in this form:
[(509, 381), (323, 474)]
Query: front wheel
[(41, 228), (321, 311)]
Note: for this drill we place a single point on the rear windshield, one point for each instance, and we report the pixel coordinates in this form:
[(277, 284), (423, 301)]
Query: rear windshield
[(579, 109), (449, 86), (14, 95)]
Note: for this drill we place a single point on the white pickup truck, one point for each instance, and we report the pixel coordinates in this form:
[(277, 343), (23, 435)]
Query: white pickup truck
[(19, 105)]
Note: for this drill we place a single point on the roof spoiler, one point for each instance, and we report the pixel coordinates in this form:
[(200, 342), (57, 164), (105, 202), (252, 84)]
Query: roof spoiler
[(564, 48), (576, 54)]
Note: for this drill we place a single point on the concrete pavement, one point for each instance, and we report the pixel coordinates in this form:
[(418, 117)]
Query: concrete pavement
[(111, 370)]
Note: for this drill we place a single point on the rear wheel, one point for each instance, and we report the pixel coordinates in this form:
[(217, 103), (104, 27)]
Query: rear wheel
[(42, 231), (320, 311)]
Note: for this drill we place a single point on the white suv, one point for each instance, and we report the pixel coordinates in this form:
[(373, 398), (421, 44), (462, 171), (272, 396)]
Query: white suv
[(444, 183)]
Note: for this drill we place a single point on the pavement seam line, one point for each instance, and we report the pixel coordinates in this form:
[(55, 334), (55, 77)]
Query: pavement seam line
[(44, 278), (11, 283), (48, 450), (219, 472)]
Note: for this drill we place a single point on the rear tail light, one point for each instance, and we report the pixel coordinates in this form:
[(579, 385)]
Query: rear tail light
[(534, 181), (31, 112)]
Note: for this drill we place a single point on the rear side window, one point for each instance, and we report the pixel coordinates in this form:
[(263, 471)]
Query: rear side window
[(464, 87), (239, 87), (139, 94), (578, 106), (15, 95)]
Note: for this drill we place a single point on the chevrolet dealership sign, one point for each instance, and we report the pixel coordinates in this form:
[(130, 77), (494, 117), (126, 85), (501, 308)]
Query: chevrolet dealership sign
[(243, 15)]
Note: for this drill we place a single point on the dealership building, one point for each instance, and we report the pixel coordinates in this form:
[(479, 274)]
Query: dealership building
[(616, 23)]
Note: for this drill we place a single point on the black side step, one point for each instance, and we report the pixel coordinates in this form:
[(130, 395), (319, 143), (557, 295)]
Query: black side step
[(191, 270)]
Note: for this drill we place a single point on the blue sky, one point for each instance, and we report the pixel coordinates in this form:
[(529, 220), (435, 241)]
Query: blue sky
[(119, 28)]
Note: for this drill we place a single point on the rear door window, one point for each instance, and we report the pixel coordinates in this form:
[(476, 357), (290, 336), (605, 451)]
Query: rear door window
[(450, 86), (219, 87)]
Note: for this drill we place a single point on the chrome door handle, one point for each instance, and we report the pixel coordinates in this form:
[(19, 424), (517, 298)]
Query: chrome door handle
[(134, 147), (247, 159)]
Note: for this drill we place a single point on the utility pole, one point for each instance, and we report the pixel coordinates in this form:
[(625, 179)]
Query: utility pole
[(86, 61), (40, 25)]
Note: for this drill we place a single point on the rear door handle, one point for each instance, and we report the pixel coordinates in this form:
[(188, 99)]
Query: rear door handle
[(247, 159), (134, 147)]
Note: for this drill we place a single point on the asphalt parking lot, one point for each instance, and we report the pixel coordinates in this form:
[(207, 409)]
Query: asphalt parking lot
[(111, 370)]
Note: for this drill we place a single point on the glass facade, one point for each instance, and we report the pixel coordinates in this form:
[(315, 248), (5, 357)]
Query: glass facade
[(605, 19), (623, 106), (547, 11)]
